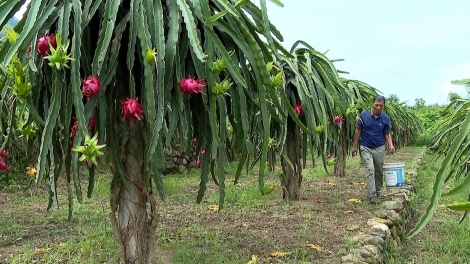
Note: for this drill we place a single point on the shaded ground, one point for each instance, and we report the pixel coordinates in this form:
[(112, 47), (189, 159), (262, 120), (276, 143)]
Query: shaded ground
[(314, 230)]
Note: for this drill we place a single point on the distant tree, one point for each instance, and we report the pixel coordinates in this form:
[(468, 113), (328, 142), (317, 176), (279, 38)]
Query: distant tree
[(453, 96), (419, 102), (393, 98)]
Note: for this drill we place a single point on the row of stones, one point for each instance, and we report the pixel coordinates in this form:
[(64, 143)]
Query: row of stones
[(387, 231)]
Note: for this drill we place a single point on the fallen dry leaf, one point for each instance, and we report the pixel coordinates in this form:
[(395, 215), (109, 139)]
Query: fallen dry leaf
[(360, 183), (279, 254), (354, 200), (331, 183), (41, 250), (348, 212), (316, 247), (214, 207), (254, 259)]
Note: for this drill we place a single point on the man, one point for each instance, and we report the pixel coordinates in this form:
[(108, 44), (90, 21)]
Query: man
[(373, 127)]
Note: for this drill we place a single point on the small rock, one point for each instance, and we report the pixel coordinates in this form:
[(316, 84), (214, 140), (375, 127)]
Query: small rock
[(369, 253), (170, 164), (185, 162), (374, 221), (381, 230), (167, 152), (348, 257), (352, 258), (393, 216), (393, 205), (394, 191), (402, 196), (181, 168), (366, 239)]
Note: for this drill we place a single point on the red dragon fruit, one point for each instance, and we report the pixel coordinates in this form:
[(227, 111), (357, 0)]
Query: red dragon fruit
[(4, 166), (203, 152), (338, 120), (43, 44), (329, 156), (191, 86), (132, 109), (298, 109), (4, 153), (91, 87), (198, 163)]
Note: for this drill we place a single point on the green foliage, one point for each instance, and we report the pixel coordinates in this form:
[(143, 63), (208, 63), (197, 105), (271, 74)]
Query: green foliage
[(451, 141)]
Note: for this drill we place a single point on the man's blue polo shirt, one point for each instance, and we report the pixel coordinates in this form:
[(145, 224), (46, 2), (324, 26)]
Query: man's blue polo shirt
[(373, 129)]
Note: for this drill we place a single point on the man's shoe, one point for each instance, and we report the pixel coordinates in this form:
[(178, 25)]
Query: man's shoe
[(373, 200)]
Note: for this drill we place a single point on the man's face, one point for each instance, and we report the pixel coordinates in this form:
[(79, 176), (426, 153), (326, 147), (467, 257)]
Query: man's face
[(378, 106)]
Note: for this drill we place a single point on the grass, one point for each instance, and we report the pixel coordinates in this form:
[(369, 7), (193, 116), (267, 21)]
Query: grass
[(443, 240), (251, 225)]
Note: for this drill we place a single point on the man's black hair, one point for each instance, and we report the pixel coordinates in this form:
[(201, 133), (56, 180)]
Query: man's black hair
[(378, 98)]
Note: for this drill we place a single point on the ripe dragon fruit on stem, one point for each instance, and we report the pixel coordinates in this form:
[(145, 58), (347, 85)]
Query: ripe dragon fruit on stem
[(132, 109), (338, 120), (191, 86), (91, 87), (4, 166), (298, 109), (4, 153), (43, 47)]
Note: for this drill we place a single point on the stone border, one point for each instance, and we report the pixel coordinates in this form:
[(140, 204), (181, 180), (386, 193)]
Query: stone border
[(388, 231)]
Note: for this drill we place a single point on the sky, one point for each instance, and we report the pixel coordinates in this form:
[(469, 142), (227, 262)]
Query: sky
[(412, 49)]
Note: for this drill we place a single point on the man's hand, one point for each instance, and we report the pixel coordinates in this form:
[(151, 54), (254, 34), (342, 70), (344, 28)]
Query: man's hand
[(354, 151), (392, 150)]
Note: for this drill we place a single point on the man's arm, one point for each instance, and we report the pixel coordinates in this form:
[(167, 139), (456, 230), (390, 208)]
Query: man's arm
[(357, 135), (388, 137)]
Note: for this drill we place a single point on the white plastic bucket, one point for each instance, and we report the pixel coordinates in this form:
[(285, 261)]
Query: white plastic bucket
[(394, 174)]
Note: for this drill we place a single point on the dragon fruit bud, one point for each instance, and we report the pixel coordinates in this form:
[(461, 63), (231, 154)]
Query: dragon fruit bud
[(191, 86), (203, 152), (198, 162), (91, 86), (132, 109), (277, 79), (219, 66), (90, 150), (338, 120), (222, 87), (194, 140), (150, 55), (43, 44), (298, 109)]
